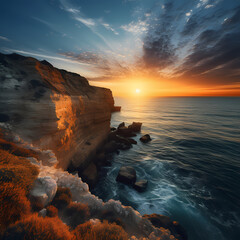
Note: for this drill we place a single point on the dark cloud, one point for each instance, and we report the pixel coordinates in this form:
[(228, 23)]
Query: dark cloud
[(216, 55), (157, 49), (211, 36), (158, 52)]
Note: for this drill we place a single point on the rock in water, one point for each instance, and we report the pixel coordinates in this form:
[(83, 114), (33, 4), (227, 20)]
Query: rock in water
[(44, 190), (141, 185), (127, 175), (135, 127), (146, 138), (125, 132)]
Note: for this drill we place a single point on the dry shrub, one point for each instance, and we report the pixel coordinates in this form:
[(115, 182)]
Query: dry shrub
[(36, 204), (13, 204), (100, 231), (76, 213), (17, 170), (62, 198), (16, 150), (52, 211), (38, 228)]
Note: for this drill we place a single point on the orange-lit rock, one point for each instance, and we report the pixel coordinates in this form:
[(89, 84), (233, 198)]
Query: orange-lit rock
[(54, 109)]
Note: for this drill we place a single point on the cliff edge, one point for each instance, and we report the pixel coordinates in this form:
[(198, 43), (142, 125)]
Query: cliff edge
[(53, 109)]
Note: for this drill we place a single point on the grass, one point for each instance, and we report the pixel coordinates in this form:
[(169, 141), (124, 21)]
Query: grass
[(17, 170)]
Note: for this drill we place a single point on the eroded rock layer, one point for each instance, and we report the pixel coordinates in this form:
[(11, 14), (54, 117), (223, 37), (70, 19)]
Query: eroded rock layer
[(53, 109)]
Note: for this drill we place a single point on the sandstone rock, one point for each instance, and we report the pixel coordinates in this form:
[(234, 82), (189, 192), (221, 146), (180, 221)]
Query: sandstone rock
[(141, 185), (146, 138), (127, 175), (113, 129), (163, 221), (44, 190), (135, 127), (90, 175)]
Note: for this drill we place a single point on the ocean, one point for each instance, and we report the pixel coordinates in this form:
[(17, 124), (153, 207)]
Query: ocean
[(192, 163)]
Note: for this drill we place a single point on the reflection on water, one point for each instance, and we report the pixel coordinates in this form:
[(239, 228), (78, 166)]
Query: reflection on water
[(192, 163)]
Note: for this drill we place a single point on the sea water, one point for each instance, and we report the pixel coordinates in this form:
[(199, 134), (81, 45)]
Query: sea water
[(192, 163)]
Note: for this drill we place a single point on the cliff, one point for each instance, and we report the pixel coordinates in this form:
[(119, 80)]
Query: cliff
[(50, 118), (53, 109)]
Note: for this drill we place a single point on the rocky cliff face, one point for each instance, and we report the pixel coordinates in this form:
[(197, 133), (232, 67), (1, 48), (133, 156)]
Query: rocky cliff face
[(53, 109)]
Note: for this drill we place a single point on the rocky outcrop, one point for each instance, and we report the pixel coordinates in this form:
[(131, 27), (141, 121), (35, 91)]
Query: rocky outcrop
[(127, 175), (54, 109), (146, 138)]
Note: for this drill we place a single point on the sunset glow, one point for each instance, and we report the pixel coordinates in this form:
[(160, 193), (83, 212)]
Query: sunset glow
[(127, 42), (137, 90)]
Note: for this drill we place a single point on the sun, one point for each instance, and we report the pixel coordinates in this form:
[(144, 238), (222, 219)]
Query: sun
[(137, 90)]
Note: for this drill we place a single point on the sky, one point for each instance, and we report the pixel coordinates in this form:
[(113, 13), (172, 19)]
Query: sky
[(134, 47)]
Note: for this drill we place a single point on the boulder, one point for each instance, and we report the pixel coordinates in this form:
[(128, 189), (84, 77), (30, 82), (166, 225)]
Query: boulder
[(163, 221), (146, 138), (90, 175), (121, 125), (135, 127), (127, 175), (125, 132), (141, 185), (44, 190), (113, 129)]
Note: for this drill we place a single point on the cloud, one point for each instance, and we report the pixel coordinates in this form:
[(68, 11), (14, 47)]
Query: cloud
[(206, 46), (136, 27), (72, 10), (108, 26), (216, 54), (209, 6), (91, 23), (86, 21), (5, 39), (44, 56)]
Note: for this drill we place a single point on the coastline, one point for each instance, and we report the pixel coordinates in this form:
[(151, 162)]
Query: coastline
[(54, 125)]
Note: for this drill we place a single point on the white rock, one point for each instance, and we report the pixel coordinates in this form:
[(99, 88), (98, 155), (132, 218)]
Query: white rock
[(44, 189)]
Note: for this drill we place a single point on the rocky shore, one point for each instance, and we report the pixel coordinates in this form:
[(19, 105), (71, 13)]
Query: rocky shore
[(52, 121)]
